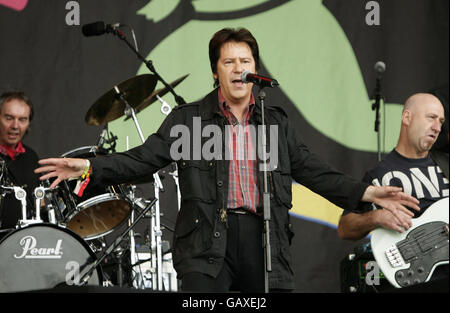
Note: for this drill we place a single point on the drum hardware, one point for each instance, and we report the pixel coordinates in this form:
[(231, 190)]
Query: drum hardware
[(156, 95), (135, 92), (119, 253), (39, 195), (155, 241), (165, 107), (155, 217), (100, 210), (106, 138), (128, 98), (97, 245), (109, 107), (55, 208), (140, 203), (21, 195)]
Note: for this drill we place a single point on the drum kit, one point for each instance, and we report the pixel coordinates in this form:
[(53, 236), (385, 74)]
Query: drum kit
[(61, 241)]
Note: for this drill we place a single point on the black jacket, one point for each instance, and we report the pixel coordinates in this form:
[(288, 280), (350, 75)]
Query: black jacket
[(200, 232)]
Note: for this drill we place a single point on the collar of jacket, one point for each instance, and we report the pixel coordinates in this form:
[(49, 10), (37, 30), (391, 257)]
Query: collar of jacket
[(209, 107)]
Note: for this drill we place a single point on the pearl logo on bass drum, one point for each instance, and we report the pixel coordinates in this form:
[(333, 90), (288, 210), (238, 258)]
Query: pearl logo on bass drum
[(29, 250)]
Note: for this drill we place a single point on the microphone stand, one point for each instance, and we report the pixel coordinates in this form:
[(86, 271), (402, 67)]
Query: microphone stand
[(266, 199), (149, 65), (376, 107)]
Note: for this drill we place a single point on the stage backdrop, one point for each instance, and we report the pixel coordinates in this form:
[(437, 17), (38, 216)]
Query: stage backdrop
[(321, 52)]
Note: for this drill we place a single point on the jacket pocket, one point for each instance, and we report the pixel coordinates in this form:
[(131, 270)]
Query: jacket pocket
[(282, 183), (193, 234), (197, 180)]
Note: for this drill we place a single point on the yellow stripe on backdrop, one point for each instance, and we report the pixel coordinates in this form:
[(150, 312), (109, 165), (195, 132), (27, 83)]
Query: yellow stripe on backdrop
[(309, 205)]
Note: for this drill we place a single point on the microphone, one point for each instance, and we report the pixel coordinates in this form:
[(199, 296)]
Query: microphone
[(248, 77), (98, 28), (380, 67)]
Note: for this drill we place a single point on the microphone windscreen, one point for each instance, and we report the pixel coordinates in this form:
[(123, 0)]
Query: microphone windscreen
[(94, 29), (244, 76), (380, 67)]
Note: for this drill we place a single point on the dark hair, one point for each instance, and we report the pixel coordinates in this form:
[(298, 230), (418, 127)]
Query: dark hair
[(226, 35), (18, 95)]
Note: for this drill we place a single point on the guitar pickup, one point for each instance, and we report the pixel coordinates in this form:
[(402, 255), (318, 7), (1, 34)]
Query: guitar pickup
[(394, 257)]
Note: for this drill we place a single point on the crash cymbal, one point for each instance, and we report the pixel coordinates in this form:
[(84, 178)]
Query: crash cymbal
[(108, 108), (160, 92)]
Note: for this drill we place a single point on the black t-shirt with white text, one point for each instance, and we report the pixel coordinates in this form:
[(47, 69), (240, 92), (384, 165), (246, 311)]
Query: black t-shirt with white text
[(421, 178)]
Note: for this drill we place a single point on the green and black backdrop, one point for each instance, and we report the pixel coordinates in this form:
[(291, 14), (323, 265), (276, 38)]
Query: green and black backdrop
[(321, 52)]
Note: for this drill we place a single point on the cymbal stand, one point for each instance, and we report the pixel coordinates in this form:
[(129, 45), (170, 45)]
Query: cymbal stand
[(166, 109), (133, 256), (155, 246), (155, 216)]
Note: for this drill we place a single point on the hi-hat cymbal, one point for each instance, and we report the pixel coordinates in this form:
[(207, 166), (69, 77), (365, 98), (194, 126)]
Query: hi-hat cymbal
[(160, 92), (108, 107)]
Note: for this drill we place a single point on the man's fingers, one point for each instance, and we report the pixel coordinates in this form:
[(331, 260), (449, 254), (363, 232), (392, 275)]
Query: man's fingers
[(405, 210), (405, 221), (410, 204), (409, 198), (401, 218), (48, 175), (50, 161), (393, 189), (397, 224), (55, 183), (44, 169)]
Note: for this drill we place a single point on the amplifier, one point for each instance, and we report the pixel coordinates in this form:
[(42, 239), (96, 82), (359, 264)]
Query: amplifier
[(360, 273)]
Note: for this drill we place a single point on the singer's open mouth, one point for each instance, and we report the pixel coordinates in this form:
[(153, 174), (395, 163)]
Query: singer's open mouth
[(237, 82)]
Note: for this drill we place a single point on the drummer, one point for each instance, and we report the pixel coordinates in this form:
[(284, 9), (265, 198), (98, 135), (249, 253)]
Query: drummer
[(16, 113)]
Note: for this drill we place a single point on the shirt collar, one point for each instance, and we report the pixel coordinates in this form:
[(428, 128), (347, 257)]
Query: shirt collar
[(225, 108), (12, 152)]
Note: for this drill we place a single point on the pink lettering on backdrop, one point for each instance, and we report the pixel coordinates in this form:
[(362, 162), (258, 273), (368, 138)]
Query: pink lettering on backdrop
[(17, 5)]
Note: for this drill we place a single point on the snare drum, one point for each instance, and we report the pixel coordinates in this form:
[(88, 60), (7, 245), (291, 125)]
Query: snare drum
[(44, 256), (100, 210)]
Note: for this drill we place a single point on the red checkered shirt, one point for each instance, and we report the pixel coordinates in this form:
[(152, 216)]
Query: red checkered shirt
[(242, 180)]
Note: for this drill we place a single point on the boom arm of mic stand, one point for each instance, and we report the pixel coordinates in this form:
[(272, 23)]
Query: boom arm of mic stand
[(85, 278), (150, 66)]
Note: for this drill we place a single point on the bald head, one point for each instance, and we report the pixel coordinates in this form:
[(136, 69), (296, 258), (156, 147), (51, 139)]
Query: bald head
[(422, 119), (421, 100)]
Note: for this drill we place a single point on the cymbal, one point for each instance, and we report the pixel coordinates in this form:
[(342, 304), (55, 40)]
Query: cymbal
[(108, 108), (160, 92)]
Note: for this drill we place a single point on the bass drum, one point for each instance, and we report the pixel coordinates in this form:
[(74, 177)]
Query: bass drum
[(100, 210), (44, 256)]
